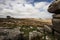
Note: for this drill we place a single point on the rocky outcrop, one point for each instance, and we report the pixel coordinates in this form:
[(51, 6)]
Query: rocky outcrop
[(9, 34), (33, 35), (56, 25), (55, 8)]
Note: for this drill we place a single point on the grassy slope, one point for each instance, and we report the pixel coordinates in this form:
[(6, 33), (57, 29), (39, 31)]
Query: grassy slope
[(23, 21)]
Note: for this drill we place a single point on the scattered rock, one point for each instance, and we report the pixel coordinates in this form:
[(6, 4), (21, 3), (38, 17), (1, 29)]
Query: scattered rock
[(9, 34)]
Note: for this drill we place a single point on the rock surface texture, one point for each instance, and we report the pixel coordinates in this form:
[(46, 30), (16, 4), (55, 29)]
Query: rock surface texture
[(55, 8), (9, 33)]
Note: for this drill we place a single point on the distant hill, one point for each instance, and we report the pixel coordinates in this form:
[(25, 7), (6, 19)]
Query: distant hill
[(12, 22)]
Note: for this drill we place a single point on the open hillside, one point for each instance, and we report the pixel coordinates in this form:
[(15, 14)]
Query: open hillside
[(9, 22)]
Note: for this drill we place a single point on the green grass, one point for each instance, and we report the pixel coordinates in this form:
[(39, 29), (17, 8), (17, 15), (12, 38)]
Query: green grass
[(27, 29)]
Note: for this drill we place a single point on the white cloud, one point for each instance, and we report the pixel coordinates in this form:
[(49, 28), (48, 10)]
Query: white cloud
[(21, 9)]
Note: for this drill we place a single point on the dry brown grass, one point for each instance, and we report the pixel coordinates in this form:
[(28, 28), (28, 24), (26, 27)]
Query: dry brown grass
[(23, 21)]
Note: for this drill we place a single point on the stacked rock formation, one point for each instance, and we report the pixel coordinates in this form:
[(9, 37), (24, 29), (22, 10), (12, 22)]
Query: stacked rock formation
[(55, 8)]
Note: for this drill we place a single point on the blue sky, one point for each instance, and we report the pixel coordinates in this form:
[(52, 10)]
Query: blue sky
[(34, 1), (41, 0), (25, 8)]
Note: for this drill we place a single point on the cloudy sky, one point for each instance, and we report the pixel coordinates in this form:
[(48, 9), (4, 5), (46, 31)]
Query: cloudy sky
[(25, 8)]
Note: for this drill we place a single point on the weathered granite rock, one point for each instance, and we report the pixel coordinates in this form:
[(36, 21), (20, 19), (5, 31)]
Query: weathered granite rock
[(9, 34), (56, 25), (56, 22), (33, 35), (54, 7)]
